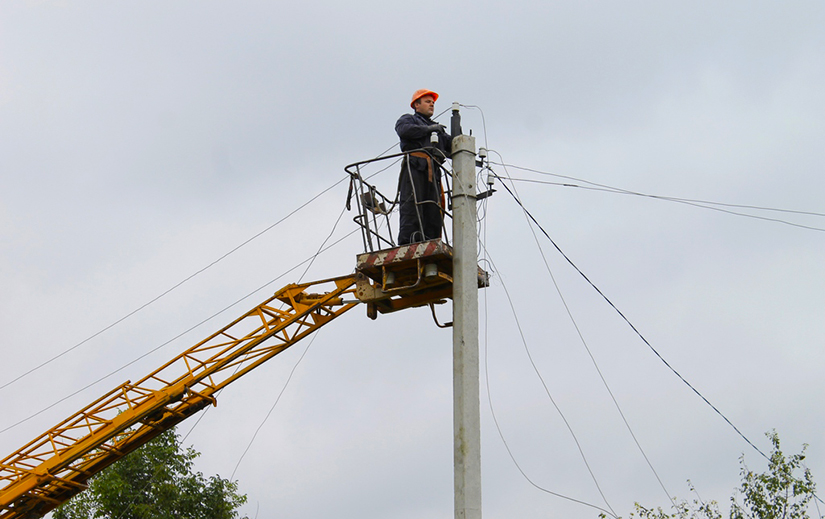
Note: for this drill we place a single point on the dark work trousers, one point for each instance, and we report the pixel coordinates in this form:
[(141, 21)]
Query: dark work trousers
[(420, 204)]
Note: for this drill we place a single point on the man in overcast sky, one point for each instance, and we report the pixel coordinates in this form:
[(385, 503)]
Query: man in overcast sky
[(420, 180)]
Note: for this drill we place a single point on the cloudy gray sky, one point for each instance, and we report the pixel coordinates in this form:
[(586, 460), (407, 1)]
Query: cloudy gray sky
[(141, 141)]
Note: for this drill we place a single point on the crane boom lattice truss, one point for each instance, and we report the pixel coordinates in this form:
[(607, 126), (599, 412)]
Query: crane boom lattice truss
[(56, 465)]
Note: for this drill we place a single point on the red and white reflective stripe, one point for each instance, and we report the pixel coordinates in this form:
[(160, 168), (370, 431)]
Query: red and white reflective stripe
[(405, 252)]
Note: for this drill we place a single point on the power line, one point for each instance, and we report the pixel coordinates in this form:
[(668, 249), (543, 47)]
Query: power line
[(632, 327), (610, 512), (175, 337), (743, 206), (167, 291), (704, 204), (274, 404), (278, 399), (592, 357)]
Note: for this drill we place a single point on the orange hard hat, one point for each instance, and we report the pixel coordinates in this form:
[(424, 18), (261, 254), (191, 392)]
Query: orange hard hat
[(421, 93)]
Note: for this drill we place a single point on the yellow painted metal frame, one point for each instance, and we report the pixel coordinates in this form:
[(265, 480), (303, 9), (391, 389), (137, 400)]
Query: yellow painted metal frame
[(56, 465)]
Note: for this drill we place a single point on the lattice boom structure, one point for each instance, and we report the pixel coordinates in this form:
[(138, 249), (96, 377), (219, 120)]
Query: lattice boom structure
[(56, 465)]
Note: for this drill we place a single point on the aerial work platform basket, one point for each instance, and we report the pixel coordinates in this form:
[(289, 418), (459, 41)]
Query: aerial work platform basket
[(398, 276), (411, 275)]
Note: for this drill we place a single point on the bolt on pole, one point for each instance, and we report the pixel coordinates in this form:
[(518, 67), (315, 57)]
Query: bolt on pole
[(466, 419)]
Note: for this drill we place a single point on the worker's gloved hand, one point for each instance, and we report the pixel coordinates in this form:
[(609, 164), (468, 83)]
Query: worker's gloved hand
[(440, 128)]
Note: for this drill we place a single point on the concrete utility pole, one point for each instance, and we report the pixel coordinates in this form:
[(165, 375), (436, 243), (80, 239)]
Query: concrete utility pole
[(466, 419)]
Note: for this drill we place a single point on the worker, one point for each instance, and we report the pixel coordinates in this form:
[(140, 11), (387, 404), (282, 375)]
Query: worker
[(420, 180)]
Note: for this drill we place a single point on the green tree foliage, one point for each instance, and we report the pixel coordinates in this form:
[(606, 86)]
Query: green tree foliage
[(784, 491), (779, 492), (155, 482)]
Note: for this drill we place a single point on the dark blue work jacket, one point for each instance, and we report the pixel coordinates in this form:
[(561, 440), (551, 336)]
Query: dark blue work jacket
[(413, 132)]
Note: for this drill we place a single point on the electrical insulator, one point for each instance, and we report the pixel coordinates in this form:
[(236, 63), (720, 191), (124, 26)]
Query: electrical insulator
[(434, 138), (455, 121), (491, 179)]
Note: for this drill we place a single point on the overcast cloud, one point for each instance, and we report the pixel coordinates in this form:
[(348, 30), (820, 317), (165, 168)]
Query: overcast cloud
[(140, 141)]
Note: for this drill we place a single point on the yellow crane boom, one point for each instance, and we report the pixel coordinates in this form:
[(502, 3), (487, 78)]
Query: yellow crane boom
[(57, 464)]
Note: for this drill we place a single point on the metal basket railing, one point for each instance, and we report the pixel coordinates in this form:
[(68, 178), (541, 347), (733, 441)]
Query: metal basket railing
[(374, 209)]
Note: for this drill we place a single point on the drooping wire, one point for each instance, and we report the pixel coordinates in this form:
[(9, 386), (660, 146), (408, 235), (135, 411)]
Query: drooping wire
[(483, 121), (609, 512), (272, 407), (621, 190), (315, 335), (484, 258), (219, 312), (167, 291), (590, 353), (552, 400), (632, 327), (487, 259), (703, 204)]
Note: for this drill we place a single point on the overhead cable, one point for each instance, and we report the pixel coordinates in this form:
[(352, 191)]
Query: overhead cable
[(486, 258), (167, 291), (610, 512), (590, 354), (704, 204), (219, 312), (507, 445), (314, 336), (632, 327)]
